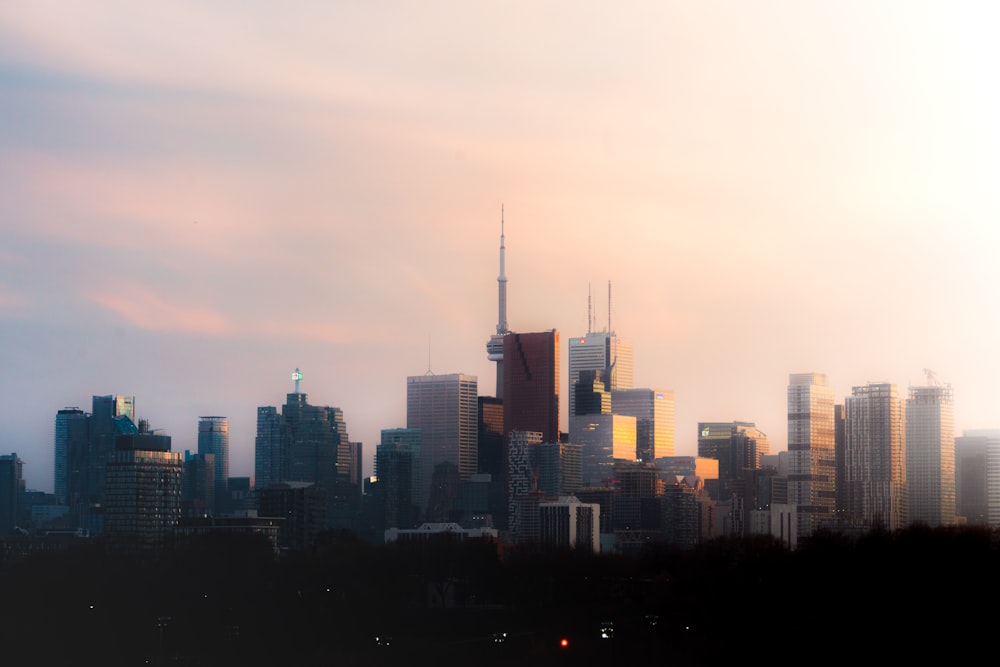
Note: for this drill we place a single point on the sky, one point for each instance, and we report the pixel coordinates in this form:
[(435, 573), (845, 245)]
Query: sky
[(197, 198)]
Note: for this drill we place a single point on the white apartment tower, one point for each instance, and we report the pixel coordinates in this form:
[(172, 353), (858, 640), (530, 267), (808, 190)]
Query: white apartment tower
[(812, 464), (875, 456), (930, 455)]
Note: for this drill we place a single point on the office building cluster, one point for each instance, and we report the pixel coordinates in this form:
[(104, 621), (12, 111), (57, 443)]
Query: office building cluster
[(502, 466)]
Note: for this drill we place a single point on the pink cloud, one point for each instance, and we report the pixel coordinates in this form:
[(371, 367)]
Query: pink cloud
[(146, 309)]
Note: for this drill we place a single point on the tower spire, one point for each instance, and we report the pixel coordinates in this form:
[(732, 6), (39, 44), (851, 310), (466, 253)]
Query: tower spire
[(502, 282), (590, 317), (494, 346)]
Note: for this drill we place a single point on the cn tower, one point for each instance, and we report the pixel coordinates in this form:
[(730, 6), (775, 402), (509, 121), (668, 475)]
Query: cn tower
[(494, 347)]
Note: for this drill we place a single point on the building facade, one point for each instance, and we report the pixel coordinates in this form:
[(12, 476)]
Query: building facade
[(930, 455), (213, 438), (653, 410), (604, 439), (444, 408), (568, 523), (599, 351), (874, 481), (11, 493), (737, 446), (310, 444), (811, 452), (973, 474), (143, 491), (71, 425), (531, 383), (84, 442), (397, 469)]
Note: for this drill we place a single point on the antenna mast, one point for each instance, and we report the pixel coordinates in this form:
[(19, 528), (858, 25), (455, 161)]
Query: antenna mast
[(609, 306), (590, 319), (502, 282)]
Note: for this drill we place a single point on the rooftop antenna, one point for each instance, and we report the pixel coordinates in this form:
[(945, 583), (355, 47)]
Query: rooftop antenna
[(609, 306), (590, 318), (502, 283), (428, 356), (297, 376)]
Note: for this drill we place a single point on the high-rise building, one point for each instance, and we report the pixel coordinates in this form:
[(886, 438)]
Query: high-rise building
[(88, 448), (812, 460), (977, 473), (653, 410), (198, 485), (567, 523), (977, 465), (143, 489), (599, 351), (604, 439), (875, 457), (490, 457), (309, 443), (840, 457), (397, 469), (930, 455), (446, 411), (11, 492), (531, 383), (557, 467), (71, 426), (213, 438), (737, 446), (268, 448), (494, 346), (520, 478)]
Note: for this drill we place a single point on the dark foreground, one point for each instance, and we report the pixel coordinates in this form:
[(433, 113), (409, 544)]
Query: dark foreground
[(918, 594)]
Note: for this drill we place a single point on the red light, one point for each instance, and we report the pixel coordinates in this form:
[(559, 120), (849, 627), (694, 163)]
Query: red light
[(563, 642)]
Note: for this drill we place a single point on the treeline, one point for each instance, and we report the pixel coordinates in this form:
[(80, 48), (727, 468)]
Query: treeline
[(224, 600)]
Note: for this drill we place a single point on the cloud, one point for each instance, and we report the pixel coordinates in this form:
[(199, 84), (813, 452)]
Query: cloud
[(147, 309)]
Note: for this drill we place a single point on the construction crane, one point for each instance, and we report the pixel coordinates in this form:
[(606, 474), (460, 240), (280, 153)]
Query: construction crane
[(932, 379)]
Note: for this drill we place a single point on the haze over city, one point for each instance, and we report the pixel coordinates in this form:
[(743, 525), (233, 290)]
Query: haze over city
[(197, 199)]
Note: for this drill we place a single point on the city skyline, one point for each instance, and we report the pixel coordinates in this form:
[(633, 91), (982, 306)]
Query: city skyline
[(194, 204)]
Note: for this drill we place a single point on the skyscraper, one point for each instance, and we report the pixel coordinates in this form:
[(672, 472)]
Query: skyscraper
[(977, 464), (812, 461), (737, 446), (875, 457), (567, 523), (11, 492), (531, 383), (520, 478), (71, 425), (213, 438), (930, 455), (494, 346), (653, 410), (309, 443), (397, 468), (599, 351), (87, 459), (268, 468), (604, 439), (143, 489), (446, 411)]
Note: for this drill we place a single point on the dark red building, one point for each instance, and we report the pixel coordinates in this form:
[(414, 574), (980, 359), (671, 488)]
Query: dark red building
[(531, 383)]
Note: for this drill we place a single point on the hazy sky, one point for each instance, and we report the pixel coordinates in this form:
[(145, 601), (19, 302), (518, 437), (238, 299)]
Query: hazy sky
[(198, 197)]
